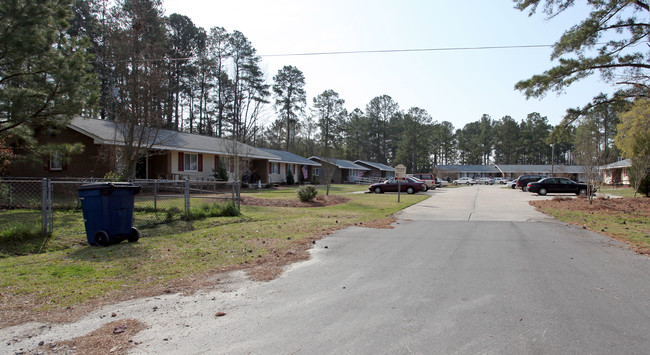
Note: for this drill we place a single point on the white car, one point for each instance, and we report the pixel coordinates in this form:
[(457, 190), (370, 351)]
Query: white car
[(501, 181), (512, 184), (464, 181), (441, 183)]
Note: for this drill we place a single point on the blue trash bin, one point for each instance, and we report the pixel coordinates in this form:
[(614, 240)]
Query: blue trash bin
[(108, 212)]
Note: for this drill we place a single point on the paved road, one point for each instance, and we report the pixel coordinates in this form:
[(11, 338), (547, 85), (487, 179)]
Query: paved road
[(470, 270)]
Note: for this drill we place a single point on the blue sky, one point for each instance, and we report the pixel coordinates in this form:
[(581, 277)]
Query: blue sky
[(457, 86)]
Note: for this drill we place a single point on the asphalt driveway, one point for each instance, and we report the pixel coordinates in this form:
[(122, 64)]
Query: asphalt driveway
[(470, 270)]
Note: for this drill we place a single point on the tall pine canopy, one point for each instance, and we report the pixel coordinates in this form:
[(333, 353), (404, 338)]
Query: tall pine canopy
[(44, 74)]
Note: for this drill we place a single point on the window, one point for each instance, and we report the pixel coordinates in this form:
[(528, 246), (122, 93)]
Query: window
[(56, 161), (275, 168), (316, 171), (191, 162)]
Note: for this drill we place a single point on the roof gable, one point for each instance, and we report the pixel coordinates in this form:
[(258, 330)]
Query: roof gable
[(374, 165), (340, 163)]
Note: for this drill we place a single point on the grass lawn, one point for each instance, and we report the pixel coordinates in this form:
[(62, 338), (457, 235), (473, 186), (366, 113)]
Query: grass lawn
[(617, 191), (63, 271)]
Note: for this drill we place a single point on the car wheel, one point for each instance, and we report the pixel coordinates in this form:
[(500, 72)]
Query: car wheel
[(377, 190), (410, 191), (486, 183), (101, 239), (541, 191), (513, 186), (524, 188), (468, 183), (582, 192), (426, 188)]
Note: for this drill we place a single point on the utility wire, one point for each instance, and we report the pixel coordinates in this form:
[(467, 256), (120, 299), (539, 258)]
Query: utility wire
[(408, 50), (444, 49)]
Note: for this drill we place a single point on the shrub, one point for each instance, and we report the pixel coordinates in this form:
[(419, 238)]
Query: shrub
[(290, 180), (644, 187), (220, 173), (229, 210), (114, 176), (212, 210), (171, 213), (306, 193)]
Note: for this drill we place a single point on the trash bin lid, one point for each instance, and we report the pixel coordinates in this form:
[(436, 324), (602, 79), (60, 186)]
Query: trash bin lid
[(110, 186)]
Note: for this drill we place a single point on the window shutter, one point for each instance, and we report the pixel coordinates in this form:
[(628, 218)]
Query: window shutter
[(216, 162), (46, 163), (200, 158), (181, 162), (270, 168), (64, 164)]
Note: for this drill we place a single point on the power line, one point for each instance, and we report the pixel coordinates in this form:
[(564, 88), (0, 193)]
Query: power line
[(442, 49), (408, 50)]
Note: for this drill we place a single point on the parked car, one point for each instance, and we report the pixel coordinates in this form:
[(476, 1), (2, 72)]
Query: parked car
[(465, 180), (557, 185), (441, 183), (523, 180), (485, 181), (501, 181), (428, 179), (512, 184), (410, 186)]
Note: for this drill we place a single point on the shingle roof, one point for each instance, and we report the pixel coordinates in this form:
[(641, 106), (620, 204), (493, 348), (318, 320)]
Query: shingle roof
[(378, 166), (625, 163), (546, 169), (106, 132), (521, 169), (287, 157), (341, 164), (468, 168)]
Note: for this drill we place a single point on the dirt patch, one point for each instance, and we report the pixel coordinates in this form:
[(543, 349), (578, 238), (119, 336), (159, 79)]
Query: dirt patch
[(612, 205), (623, 208), (319, 201), (112, 338)]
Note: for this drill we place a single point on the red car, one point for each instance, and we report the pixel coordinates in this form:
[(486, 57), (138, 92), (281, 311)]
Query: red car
[(410, 186)]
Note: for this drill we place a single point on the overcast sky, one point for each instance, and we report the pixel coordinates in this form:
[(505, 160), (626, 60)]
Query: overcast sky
[(451, 85)]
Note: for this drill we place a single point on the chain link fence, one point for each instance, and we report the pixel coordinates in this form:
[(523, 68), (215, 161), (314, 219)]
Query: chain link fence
[(54, 206)]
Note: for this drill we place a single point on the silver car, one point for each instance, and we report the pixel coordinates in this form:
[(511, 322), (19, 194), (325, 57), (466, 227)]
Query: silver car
[(465, 180), (485, 180)]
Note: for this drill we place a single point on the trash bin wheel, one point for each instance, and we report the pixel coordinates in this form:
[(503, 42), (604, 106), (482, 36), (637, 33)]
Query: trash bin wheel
[(101, 238), (134, 235)]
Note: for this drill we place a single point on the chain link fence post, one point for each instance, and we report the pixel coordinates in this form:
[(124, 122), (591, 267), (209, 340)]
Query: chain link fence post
[(50, 219), (187, 197), (155, 195), (238, 195), (232, 192), (44, 205)]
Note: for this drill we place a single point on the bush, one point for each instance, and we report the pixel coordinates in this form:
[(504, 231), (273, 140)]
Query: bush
[(290, 179), (644, 187), (212, 210), (114, 176), (306, 193), (220, 173)]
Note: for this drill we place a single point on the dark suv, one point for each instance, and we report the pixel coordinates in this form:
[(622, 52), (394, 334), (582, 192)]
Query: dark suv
[(523, 180)]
